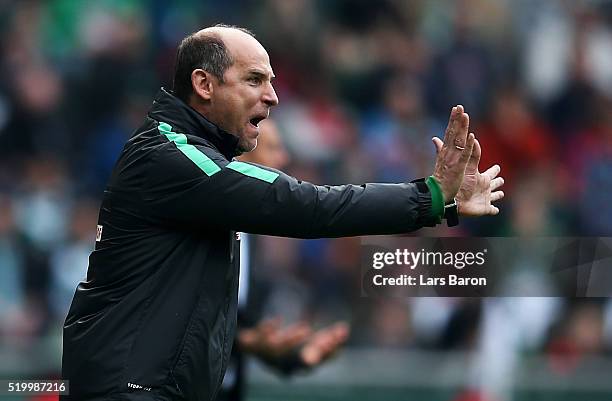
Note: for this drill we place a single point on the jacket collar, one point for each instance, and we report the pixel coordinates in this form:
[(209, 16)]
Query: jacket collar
[(184, 119)]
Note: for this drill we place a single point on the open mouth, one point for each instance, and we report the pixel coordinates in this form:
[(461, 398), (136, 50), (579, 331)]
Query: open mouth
[(256, 120)]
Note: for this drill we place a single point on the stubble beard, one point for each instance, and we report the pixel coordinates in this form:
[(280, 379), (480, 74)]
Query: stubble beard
[(245, 146)]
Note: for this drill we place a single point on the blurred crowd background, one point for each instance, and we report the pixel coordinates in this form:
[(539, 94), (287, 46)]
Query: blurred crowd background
[(363, 86)]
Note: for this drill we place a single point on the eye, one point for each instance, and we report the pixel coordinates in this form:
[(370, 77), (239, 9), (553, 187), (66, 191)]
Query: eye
[(254, 80)]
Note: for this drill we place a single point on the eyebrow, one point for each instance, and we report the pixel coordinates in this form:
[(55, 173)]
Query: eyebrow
[(261, 74)]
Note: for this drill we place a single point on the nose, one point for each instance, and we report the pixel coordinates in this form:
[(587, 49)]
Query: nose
[(269, 96)]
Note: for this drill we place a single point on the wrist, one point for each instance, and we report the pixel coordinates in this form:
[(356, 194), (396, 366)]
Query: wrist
[(439, 207), (451, 213), (437, 197), (446, 196)]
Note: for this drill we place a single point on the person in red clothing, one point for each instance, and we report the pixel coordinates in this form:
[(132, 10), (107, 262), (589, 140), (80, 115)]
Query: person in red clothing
[(515, 138)]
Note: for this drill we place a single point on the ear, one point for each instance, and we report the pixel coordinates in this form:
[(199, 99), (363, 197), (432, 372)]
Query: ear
[(202, 83)]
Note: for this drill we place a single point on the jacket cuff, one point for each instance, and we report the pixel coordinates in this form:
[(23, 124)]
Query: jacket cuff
[(437, 197), (428, 214)]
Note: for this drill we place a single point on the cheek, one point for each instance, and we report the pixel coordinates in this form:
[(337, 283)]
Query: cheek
[(241, 101), (237, 104), (249, 96), (244, 104), (230, 106)]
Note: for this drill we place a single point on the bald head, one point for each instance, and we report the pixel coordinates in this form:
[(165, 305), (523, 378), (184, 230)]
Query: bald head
[(224, 73), (209, 49), (228, 34)]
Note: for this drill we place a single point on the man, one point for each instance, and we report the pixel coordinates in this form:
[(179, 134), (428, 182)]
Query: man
[(156, 316), (287, 349)]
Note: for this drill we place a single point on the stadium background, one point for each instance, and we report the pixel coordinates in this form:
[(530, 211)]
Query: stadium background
[(363, 86)]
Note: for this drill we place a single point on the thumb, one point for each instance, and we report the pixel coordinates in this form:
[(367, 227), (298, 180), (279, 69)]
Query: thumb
[(437, 143)]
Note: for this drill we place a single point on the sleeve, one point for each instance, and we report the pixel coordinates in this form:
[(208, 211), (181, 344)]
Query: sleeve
[(205, 191)]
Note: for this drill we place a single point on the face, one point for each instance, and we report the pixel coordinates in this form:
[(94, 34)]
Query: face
[(245, 97)]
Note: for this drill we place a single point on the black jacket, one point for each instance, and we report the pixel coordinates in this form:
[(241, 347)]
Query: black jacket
[(250, 314), (156, 316)]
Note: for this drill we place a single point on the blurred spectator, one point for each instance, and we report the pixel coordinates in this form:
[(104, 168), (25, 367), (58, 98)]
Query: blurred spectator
[(587, 184), (43, 203), (513, 136), (11, 281), (398, 131), (69, 262), (362, 91), (577, 335)]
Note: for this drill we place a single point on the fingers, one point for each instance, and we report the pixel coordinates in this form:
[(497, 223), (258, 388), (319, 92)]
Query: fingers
[(492, 171), (454, 123), (466, 153), (463, 123), (268, 326), (449, 133), (437, 143), (497, 195), (496, 183), (341, 331), (450, 167), (294, 335), (472, 166), (324, 343), (456, 131)]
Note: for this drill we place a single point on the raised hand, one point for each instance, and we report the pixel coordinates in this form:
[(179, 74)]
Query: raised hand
[(478, 190), (453, 153)]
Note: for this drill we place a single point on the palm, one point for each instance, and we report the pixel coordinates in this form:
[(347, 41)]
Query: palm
[(478, 190), (474, 196)]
